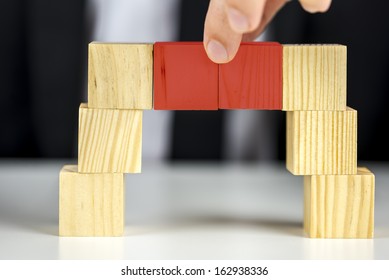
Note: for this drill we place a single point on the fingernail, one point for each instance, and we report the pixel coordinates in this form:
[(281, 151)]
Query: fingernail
[(238, 21), (217, 52)]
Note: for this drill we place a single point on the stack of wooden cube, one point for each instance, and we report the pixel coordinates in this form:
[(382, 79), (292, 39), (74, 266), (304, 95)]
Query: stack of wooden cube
[(120, 78), (322, 143), (307, 81)]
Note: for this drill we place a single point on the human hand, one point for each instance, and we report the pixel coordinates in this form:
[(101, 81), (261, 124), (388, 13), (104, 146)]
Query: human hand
[(228, 22)]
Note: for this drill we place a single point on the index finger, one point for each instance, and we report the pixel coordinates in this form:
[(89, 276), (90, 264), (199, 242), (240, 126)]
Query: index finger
[(225, 24)]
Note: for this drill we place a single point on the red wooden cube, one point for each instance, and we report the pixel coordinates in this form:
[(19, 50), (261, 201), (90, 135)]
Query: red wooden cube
[(184, 77), (253, 79)]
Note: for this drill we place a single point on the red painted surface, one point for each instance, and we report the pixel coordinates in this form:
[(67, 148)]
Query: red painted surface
[(184, 77), (253, 79)]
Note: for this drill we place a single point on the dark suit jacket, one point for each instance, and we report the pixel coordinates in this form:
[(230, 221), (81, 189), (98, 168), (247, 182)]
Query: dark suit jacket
[(42, 56)]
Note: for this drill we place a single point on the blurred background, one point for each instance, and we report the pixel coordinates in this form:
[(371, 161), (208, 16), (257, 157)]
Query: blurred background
[(43, 67)]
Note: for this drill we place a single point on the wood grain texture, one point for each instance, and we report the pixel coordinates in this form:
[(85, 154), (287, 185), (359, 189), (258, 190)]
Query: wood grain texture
[(90, 204), (321, 142), (314, 77), (120, 76), (253, 79), (109, 140), (339, 206), (184, 77)]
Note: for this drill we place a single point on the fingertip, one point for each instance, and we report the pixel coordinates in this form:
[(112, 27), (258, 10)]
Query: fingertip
[(318, 6), (325, 6), (216, 51)]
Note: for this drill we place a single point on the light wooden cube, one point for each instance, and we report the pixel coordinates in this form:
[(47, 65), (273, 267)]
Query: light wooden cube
[(120, 76), (109, 140), (321, 142), (314, 77), (339, 206), (90, 204)]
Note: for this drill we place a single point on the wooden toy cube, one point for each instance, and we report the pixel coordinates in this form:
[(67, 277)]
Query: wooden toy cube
[(314, 77), (184, 77), (321, 142), (120, 76), (339, 206), (109, 140), (90, 204), (253, 79)]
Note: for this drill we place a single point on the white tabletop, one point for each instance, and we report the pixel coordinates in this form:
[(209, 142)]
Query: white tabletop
[(182, 211)]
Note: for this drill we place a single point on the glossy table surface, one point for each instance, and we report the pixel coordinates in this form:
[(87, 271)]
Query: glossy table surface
[(182, 211)]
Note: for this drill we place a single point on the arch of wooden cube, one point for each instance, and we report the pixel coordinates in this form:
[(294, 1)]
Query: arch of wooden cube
[(306, 81)]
